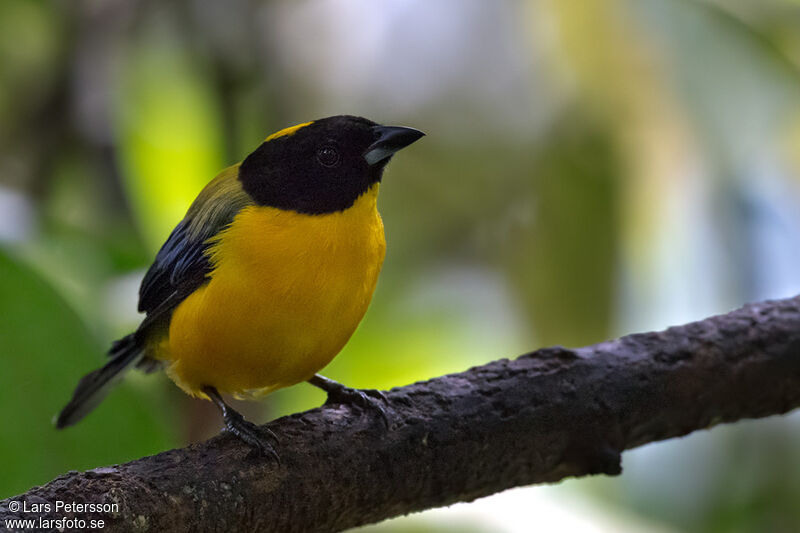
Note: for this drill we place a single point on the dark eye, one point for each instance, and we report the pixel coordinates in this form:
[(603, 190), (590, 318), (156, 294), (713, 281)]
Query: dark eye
[(328, 156)]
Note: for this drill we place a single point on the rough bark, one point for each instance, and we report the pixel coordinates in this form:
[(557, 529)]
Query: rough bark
[(544, 416)]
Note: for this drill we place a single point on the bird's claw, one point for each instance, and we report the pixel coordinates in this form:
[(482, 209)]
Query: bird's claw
[(252, 435), (362, 398)]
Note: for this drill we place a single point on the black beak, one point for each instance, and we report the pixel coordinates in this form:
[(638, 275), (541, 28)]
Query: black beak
[(388, 140)]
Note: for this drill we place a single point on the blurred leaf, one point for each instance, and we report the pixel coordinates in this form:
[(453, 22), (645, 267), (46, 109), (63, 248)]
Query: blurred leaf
[(169, 130), (563, 263), (750, 80), (45, 350), (30, 34)]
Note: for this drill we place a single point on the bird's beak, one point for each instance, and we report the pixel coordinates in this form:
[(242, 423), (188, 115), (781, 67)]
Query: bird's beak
[(388, 140)]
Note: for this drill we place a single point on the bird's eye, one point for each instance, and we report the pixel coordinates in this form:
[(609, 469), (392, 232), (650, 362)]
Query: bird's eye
[(328, 156)]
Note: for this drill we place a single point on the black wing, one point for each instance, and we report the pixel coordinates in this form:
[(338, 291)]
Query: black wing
[(181, 265)]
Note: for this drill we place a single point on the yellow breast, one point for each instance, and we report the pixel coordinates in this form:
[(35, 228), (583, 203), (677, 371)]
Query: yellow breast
[(286, 293)]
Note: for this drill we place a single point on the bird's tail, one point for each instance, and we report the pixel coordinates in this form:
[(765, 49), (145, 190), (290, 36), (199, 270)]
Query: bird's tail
[(94, 386)]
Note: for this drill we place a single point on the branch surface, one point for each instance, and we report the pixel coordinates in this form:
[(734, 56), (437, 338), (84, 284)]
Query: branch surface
[(544, 416)]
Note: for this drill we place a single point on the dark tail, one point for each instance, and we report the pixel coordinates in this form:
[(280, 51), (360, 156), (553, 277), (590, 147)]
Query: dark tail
[(94, 386)]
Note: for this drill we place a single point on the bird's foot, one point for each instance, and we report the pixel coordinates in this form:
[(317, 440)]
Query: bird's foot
[(257, 437), (363, 398), (235, 423)]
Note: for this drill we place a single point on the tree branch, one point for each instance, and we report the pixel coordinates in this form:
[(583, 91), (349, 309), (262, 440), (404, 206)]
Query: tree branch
[(546, 415)]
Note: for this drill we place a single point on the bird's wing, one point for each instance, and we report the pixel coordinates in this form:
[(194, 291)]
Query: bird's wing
[(181, 265)]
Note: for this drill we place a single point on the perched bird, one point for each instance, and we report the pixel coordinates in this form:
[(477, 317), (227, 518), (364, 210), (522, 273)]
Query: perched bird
[(267, 276)]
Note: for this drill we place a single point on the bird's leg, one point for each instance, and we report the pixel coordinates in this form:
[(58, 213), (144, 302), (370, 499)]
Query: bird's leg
[(236, 424), (364, 398)]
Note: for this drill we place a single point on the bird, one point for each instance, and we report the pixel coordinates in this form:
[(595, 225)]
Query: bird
[(267, 276)]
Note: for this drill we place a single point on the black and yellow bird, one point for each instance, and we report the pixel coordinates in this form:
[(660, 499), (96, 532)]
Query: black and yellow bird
[(267, 276)]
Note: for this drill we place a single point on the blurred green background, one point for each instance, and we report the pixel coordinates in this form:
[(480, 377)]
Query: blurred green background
[(592, 168)]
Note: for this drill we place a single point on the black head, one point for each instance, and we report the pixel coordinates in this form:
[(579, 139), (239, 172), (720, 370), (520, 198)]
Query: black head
[(321, 166)]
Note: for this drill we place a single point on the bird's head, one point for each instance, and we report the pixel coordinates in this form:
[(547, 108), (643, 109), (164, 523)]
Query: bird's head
[(321, 166)]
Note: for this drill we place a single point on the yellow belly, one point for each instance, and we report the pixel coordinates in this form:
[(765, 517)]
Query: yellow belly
[(286, 293)]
